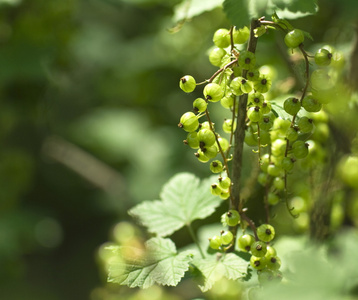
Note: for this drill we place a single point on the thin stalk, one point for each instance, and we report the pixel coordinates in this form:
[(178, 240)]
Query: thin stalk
[(193, 236)]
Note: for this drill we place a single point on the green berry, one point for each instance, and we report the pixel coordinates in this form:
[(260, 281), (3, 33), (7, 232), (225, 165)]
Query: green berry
[(247, 60), (205, 125), (279, 183), (221, 38), (292, 134), (288, 163), (321, 81), (235, 86), (253, 75), (241, 35), (300, 149), (266, 107), (215, 189), (292, 106), (305, 124), (227, 102), (210, 152), (232, 217), (258, 249), (322, 57), (216, 166), (216, 55), (262, 179), (201, 156), (192, 140), (271, 251), (263, 84), (274, 170), (199, 105), (215, 242), (227, 237), (256, 99), (273, 263), (266, 122), (187, 83), (258, 263), (294, 38), (245, 241), (224, 143), (254, 114), (227, 126), (268, 276), (311, 104), (224, 182), (273, 199), (213, 92), (278, 147), (265, 233), (225, 195), (206, 138), (189, 122)]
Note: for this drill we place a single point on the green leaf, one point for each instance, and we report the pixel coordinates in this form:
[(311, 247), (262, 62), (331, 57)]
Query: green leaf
[(293, 9), (188, 9), (184, 199), (161, 264), (213, 269)]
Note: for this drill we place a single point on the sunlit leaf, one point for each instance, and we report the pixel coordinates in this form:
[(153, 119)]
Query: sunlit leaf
[(184, 199), (190, 8)]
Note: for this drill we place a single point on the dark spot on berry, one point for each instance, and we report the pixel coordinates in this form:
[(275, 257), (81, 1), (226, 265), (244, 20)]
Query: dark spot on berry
[(229, 214), (183, 80), (196, 110), (257, 263), (180, 125), (307, 145), (185, 142), (251, 74), (264, 81), (268, 231), (243, 81), (273, 259), (257, 108), (310, 120), (201, 145), (197, 154), (247, 248), (264, 104), (266, 120), (294, 100), (215, 164), (214, 186), (259, 247), (329, 55), (257, 100), (247, 60), (208, 97)]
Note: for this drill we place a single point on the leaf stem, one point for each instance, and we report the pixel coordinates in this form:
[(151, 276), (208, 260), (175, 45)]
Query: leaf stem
[(195, 240)]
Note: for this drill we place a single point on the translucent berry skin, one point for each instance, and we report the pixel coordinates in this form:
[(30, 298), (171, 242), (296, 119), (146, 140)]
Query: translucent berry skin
[(292, 106), (266, 233), (227, 102), (323, 57), (225, 182), (201, 156), (226, 237), (216, 166), (278, 147), (254, 114), (294, 38), (199, 105), (287, 163), (232, 217), (258, 249), (241, 35), (192, 140), (210, 152), (216, 55), (279, 183), (215, 242), (221, 38), (224, 143), (273, 170), (292, 134), (206, 138), (213, 92), (311, 104), (300, 149), (263, 84), (305, 124), (245, 241), (247, 60), (187, 83), (256, 99), (215, 189), (273, 263), (189, 122), (258, 263), (273, 199), (227, 126)]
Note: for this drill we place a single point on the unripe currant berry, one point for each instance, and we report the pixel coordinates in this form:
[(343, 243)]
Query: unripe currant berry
[(225, 194), (254, 114), (273, 263), (294, 38), (266, 107), (227, 126), (189, 122), (266, 233), (241, 35), (216, 55), (322, 57), (265, 138), (221, 38), (201, 156), (213, 92), (311, 104), (187, 83), (224, 182), (232, 217), (263, 84), (321, 80), (265, 276), (245, 241), (235, 86), (258, 263), (262, 179), (246, 86), (227, 101), (264, 162), (206, 138), (215, 242), (251, 138), (271, 251), (216, 166), (210, 152), (192, 140), (215, 189), (300, 149), (205, 125), (273, 199), (224, 143), (292, 106), (266, 122), (279, 183), (247, 60), (292, 134), (199, 105), (305, 124), (288, 163), (256, 99), (253, 75), (258, 249), (278, 147), (347, 170), (227, 237), (273, 170)]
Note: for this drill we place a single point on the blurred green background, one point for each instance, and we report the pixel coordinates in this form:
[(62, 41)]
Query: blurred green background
[(89, 106)]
